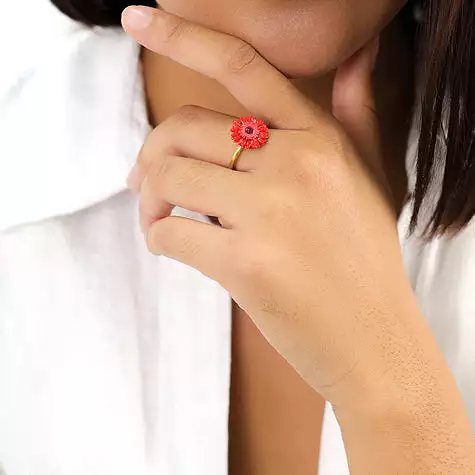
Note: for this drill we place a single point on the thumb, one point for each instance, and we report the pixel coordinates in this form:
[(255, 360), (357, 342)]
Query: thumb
[(354, 104)]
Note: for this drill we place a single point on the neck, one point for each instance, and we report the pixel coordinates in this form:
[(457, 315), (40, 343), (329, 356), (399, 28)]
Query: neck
[(169, 86)]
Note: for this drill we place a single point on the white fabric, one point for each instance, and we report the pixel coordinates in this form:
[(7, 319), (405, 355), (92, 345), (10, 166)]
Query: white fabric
[(71, 121), (111, 360)]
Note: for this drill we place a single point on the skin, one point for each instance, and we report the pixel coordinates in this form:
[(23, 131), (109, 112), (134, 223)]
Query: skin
[(300, 37), (308, 190)]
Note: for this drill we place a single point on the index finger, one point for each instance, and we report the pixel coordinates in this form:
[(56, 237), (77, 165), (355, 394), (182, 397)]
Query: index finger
[(256, 84)]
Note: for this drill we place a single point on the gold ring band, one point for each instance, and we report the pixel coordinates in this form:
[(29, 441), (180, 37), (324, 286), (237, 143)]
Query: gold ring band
[(237, 154)]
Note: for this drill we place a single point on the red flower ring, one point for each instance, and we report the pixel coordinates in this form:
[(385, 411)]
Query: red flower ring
[(249, 132)]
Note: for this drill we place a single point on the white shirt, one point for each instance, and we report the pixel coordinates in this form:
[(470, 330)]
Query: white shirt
[(112, 360)]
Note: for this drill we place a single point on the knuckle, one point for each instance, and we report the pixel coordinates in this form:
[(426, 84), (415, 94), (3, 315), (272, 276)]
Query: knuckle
[(246, 258), (306, 167), (192, 173), (165, 137), (148, 198), (251, 267), (171, 171), (240, 56), (167, 237), (159, 171), (279, 208), (320, 160), (154, 184), (172, 28), (186, 114), (162, 237), (156, 239)]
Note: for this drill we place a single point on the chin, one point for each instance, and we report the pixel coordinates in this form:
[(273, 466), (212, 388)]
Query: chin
[(302, 49), (306, 41), (306, 67), (305, 62)]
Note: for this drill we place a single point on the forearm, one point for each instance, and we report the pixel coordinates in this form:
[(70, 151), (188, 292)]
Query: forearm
[(413, 422)]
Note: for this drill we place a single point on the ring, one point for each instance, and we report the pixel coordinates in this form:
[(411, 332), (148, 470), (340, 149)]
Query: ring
[(250, 134)]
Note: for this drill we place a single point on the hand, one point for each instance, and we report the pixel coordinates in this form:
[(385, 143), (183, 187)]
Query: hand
[(308, 245)]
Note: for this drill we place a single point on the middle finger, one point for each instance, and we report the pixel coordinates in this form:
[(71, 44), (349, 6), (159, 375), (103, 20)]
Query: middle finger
[(194, 185)]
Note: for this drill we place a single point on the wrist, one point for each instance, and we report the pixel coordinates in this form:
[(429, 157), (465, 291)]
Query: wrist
[(395, 352), (412, 420), (402, 434)]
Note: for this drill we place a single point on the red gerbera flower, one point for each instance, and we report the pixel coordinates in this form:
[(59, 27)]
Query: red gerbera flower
[(249, 132)]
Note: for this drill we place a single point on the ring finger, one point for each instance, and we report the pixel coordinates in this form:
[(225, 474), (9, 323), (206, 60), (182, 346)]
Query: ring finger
[(197, 133)]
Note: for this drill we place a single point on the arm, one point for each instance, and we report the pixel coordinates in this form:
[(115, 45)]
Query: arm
[(308, 247), (411, 421)]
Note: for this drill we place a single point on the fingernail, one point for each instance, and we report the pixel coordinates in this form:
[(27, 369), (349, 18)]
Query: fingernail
[(133, 180), (137, 18)]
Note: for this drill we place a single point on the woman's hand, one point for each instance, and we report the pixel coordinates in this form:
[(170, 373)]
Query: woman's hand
[(308, 244)]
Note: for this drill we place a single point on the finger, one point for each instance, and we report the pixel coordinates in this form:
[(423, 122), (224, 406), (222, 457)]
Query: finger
[(194, 185), (354, 104), (198, 133), (258, 86), (202, 134), (199, 245)]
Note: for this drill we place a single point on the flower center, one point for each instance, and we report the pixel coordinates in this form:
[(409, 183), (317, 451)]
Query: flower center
[(249, 130)]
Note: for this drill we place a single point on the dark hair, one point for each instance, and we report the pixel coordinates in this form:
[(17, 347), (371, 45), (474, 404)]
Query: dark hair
[(97, 12), (446, 149), (447, 128)]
